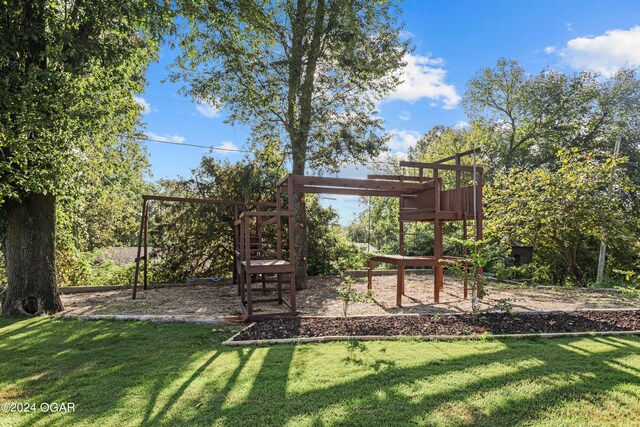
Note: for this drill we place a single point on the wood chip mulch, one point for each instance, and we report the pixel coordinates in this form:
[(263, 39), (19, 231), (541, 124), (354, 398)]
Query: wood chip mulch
[(457, 324)]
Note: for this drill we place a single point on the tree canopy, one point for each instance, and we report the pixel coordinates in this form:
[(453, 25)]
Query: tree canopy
[(561, 211), (303, 74), (68, 73), (527, 119)]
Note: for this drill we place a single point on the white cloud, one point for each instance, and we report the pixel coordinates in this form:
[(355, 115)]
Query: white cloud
[(225, 146), (178, 139), (342, 197), (424, 77), (549, 49), (392, 158), (402, 140), (354, 170), (605, 53), (404, 34), (405, 115), (146, 107), (208, 110), (461, 124)]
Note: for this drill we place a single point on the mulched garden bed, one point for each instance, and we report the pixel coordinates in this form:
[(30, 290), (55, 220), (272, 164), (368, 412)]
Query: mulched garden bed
[(449, 325)]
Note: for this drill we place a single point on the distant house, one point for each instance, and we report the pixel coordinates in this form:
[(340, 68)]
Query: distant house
[(121, 256)]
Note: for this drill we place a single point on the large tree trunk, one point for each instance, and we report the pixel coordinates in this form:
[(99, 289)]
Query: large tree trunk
[(299, 114), (30, 257), (301, 239)]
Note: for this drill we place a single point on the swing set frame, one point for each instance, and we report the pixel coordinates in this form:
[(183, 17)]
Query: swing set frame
[(142, 254)]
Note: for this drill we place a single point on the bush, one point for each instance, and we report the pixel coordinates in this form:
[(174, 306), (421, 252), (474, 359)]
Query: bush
[(76, 268), (73, 267), (626, 281)]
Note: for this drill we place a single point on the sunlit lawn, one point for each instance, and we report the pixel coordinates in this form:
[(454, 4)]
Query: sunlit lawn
[(138, 373)]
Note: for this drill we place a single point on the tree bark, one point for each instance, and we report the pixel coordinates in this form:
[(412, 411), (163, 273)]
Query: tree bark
[(301, 238), (299, 114), (30, 257)]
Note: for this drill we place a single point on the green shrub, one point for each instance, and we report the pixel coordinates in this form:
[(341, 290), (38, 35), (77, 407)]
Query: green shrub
[(73, 267), (627, 281), (76, 268)]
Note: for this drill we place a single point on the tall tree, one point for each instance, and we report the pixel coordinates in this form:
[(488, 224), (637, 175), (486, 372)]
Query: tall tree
[(68, 73), (527, 119), (303, 73)]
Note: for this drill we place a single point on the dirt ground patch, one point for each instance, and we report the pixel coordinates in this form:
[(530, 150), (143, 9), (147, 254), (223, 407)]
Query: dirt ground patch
[(449, 325), (321, 299)]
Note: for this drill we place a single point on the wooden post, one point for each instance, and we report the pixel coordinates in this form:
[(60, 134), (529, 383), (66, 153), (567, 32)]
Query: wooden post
[(438, 224), (464, 253), (249, 296), (246, 232), (437, 273), (370, 275), (137, 270), (279, 239), (292, 290), (458, 187), (146, 259), (399, 286), (478, 225), (278, 224), (437, 241), (241, 284), (401, 237), (290, 204), (236, 247)]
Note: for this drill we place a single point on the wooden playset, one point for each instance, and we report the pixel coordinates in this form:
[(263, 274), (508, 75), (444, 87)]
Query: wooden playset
[(264, 236)]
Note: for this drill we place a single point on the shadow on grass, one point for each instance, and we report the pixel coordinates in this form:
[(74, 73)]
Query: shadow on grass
[(396, 407), (104, 366)]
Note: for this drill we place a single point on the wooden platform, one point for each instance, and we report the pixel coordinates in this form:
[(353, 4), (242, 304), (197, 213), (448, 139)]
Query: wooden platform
[(258, 266), (406, 261)]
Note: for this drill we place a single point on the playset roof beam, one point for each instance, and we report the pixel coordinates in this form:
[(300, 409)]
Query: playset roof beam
[(400, 178), (206, 201), (301, 182)]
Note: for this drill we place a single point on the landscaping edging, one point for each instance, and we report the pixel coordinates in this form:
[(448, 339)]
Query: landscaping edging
[(154, 318), (89, 289), (308, 340)]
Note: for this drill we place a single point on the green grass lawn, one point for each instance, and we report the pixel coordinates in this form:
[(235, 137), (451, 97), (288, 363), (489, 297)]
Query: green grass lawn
[(136, 373)]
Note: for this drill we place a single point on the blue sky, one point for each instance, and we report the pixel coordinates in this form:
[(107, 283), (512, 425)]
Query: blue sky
[(453, 39)]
